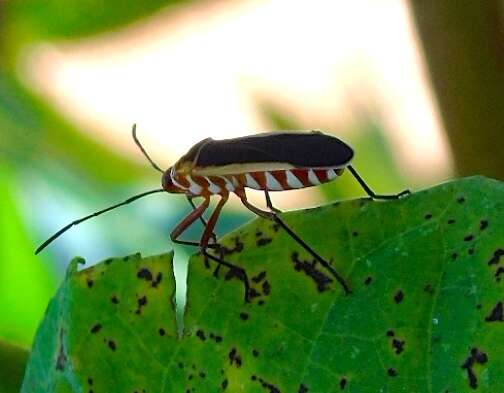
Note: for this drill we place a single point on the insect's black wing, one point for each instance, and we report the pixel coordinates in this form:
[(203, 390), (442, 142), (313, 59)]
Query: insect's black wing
[(299, 149)]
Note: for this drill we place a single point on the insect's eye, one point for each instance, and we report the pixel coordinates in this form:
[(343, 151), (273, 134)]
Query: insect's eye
[(166, 180)]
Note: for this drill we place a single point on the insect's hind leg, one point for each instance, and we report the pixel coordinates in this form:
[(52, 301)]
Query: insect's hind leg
[(370, 192), (274, 217)]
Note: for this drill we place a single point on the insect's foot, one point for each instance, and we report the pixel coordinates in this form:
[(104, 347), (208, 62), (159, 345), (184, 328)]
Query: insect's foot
[(403, 193), (242, 276)]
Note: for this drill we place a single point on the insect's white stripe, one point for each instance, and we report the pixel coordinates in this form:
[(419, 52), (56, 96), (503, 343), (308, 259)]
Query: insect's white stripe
[(331, 174), (177, 183), (212, 187), (312, 177), (293, 181), (229, 185), (251, 182), (272, 183), (194, 188)]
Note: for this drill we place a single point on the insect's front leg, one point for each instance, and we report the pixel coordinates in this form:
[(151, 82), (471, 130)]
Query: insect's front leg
[(213, 235), (234, 271)]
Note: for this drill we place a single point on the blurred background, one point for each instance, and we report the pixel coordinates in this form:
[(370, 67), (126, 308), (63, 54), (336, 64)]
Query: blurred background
[(417, 88)]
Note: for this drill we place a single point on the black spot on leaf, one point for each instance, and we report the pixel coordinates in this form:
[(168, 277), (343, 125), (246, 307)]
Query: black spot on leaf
[(266, 385), (234, 358), (112, 345), (255, 353), (497, 314), (244, 316), (398, 345), (201, 335), (368, 280), (142, 302), (89, 282), (498, 273), (303, 388), (224, 384), (96, 328), (114, 299), (261, 276), (451, 221), (144, 274), (238, 247), (157, 281), (266, 287), (162, 332), (483, 225), (216, 338), (428, 216), (496, 256), (461, 200), (477, 356), (321, 280), (263, 241), (392, 372), (342, 383), (468, 238), (399, 296)]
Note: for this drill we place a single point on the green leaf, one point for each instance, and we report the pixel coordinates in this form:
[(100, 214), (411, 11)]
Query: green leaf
[(425, 314)]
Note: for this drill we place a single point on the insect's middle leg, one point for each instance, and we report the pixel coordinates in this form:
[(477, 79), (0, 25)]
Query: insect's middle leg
[(213, 236), (274, 217), (235, 271)]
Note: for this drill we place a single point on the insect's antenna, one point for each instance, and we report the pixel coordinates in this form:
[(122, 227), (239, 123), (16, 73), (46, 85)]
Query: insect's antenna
[(76, 222), (137, 142)]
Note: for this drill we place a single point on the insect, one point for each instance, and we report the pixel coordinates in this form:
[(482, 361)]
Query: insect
[(274, 161)]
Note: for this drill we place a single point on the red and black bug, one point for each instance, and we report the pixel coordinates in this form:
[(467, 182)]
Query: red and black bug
[(275, 161)]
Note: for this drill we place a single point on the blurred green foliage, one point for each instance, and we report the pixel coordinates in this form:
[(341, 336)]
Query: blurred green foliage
[(57, 19), (12, 360)]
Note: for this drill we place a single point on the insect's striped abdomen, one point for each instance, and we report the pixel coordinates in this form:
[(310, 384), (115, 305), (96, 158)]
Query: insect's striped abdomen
[(289, 179)]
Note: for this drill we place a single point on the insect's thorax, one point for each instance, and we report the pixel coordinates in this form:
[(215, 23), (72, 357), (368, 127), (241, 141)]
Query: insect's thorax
[(192, 183)]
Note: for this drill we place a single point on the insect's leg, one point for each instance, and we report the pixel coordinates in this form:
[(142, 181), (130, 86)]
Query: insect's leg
[(213, 236), (269, 204), (209, 227), (188, 242), (186, 222), (208, 232), (274, 217), (234, 271), (370, 192)]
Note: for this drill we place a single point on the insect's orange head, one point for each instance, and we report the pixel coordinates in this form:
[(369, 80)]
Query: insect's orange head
[(168, 184)]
